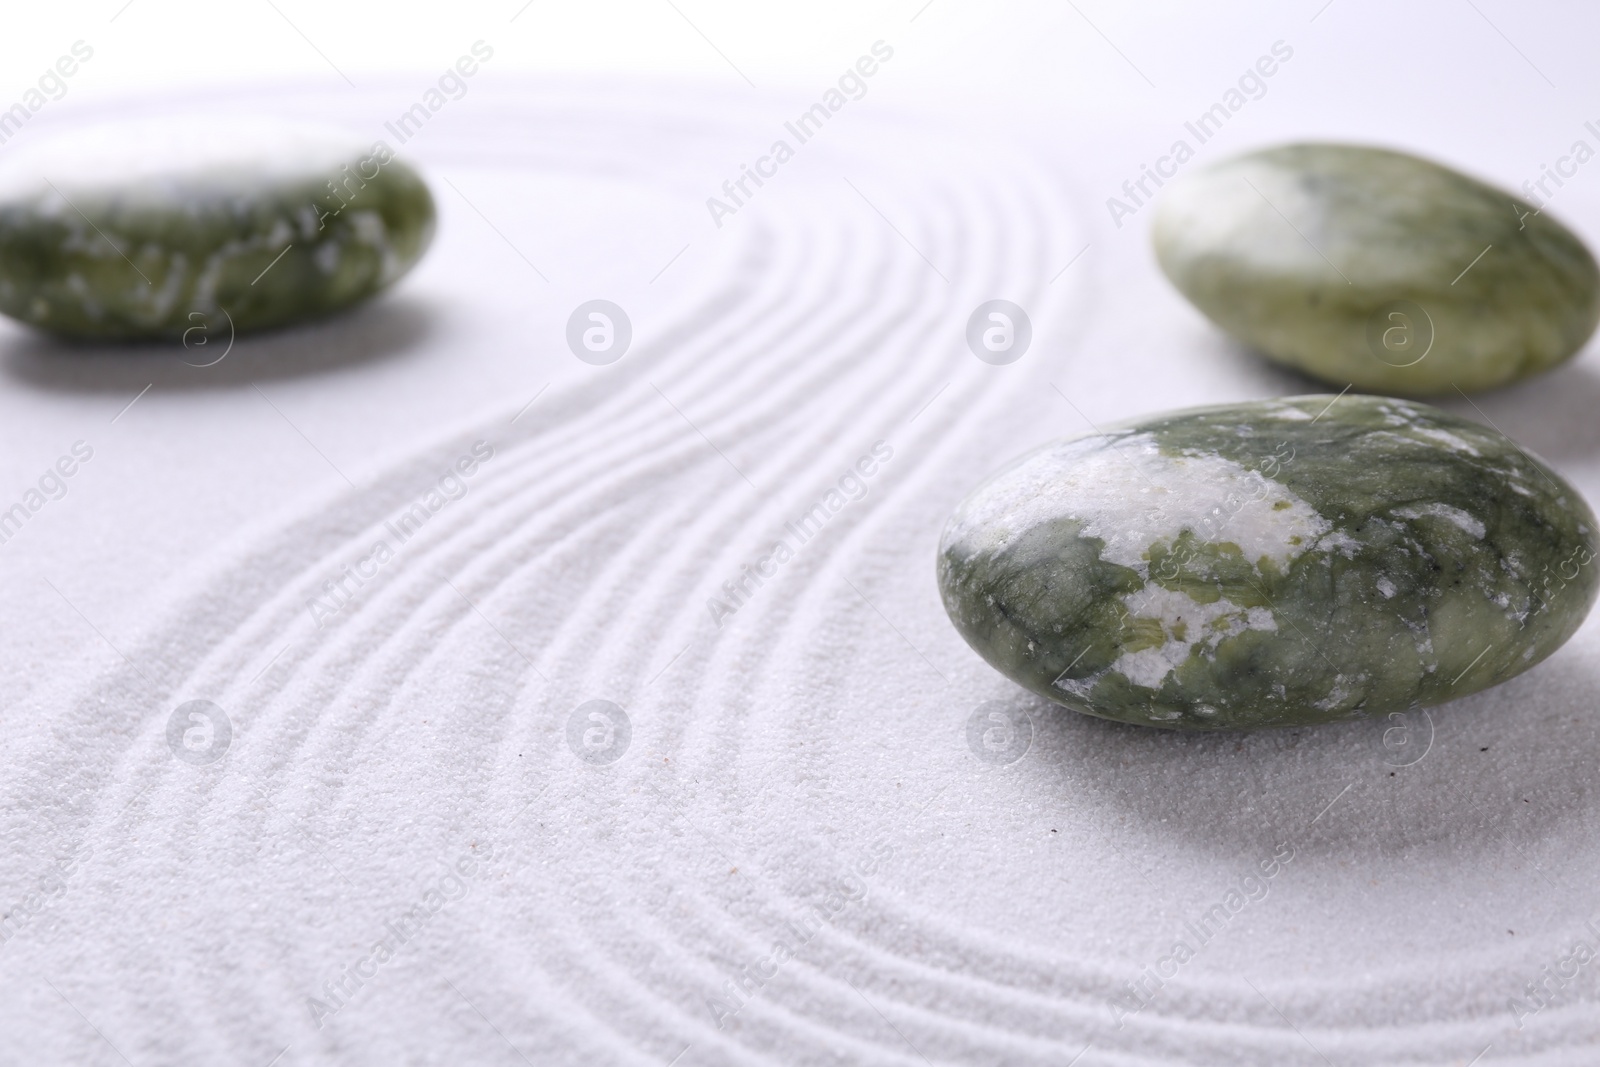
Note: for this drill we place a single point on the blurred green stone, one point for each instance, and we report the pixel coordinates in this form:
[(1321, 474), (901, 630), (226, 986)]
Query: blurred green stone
[(148, 230), (1272, 563), (1375, 268)]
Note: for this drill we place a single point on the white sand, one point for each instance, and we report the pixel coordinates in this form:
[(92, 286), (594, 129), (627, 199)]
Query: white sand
[(799, 774)]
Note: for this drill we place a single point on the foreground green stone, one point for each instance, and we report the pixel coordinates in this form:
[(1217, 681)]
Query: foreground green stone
[(149, 231), (1366, 266), (1274, 563)]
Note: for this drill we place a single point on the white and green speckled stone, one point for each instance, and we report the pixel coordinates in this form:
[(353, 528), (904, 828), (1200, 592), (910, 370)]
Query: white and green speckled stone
[(145, 230), (1375, 268), (1272, 563)]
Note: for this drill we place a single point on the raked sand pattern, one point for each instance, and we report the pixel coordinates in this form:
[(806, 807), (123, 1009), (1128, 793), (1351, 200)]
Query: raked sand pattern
[(784, 849)]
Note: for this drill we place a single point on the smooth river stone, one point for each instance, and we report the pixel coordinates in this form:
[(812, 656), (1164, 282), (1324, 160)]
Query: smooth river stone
[(1375, 268), (157, 229), (1274, 563)]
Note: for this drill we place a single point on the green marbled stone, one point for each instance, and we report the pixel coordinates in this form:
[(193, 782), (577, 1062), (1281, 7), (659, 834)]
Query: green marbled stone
[(149, 230), (1273, 563), (1307, 252)]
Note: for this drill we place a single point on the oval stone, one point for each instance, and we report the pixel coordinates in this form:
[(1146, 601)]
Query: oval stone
[(1273, 563), (1375, 268), (153, 230)]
